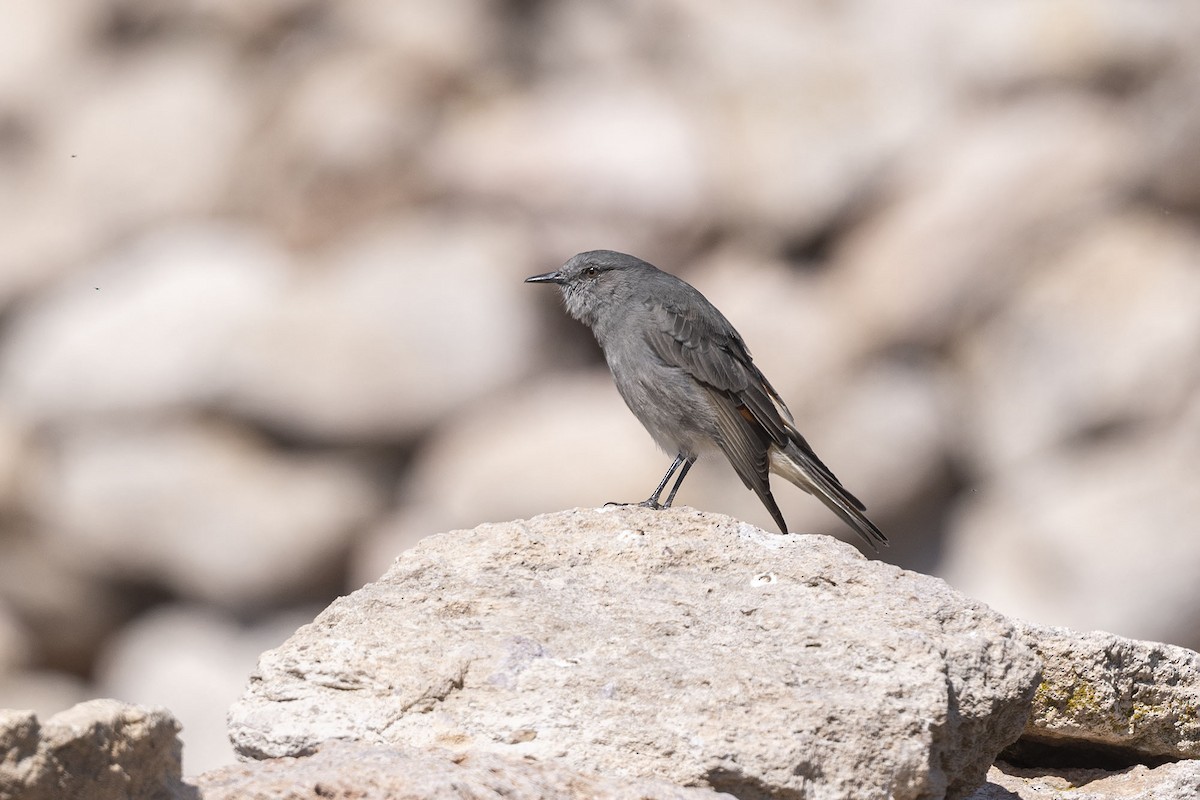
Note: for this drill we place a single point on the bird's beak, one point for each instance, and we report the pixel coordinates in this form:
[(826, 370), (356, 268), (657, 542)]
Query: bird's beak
[(549, 277)]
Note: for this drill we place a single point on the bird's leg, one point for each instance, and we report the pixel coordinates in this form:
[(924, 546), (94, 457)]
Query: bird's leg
[(652, 500), (678, 481)]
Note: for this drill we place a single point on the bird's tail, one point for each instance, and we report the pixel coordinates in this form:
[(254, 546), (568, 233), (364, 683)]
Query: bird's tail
[(800, 465)]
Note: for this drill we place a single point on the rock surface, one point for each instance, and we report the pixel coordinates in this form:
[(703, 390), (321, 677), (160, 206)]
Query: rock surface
[(369, 772), (96, 750), (1176, 781), (673, 644), (1110, 692)]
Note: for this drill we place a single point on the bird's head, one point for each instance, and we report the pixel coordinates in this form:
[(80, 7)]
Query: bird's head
[(592, 283)]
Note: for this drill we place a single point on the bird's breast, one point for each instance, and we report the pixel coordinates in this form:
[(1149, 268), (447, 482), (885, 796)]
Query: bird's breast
[(669, 403)]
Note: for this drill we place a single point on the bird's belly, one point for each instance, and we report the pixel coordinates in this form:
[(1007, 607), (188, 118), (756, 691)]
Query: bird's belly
[(672, 407)]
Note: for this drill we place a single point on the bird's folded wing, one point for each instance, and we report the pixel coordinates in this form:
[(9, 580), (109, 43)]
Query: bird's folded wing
[(714, 354), (742, 443), (751, 414)]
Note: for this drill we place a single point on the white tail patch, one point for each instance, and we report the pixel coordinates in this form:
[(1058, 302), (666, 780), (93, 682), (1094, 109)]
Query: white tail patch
[(783, 466)]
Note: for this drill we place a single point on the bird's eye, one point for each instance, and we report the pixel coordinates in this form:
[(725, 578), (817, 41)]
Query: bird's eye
[(591, 272)]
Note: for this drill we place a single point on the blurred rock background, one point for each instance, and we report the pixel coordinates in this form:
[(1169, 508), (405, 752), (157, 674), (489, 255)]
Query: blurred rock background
[(262, 323)]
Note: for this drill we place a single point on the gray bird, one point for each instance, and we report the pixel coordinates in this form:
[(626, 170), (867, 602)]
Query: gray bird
[(686, 374)]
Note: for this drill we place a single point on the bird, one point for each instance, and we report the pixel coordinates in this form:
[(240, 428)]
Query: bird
[(689, 378)]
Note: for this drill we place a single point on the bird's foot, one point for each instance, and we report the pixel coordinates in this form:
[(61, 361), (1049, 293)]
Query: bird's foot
[(648, 503)]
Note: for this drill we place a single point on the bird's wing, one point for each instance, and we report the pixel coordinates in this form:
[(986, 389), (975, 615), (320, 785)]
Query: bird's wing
[(750, 413), (743, 445), (709, 349)]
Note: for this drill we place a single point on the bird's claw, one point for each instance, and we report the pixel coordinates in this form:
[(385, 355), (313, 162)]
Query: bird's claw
[(654, 504)]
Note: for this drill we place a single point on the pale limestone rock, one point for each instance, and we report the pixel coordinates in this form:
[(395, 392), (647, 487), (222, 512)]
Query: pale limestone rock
[(673, 644), (370, 772), (1175, 781), (1098, 689), (99, 750)]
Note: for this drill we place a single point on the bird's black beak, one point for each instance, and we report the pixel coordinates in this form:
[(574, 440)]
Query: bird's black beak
[(549, 277)]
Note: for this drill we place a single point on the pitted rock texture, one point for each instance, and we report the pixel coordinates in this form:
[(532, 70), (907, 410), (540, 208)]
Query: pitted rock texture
[(1178, 780), (353, 771), (98, 750), (678, 645), (1107, 691)]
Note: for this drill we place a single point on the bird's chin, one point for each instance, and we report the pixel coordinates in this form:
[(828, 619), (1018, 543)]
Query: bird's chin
[(578, 306)]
